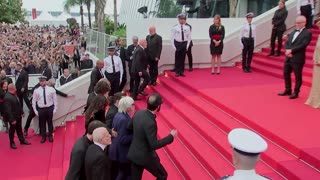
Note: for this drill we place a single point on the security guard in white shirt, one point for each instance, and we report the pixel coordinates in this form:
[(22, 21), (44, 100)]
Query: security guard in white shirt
[(44, 104), (113, 70), (306, 9), (180, 40), (247, 147)]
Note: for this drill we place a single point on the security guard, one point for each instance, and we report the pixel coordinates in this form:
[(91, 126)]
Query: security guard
[(180, 40), (247, 147), (247, 37)]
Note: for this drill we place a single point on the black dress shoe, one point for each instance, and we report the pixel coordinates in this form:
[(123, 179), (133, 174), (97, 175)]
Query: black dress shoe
[(285, 93), (293, 96), (182, 74), (271, 54), (249, 70), (13, 146), (25, 133), (177, 75), (277, 54), (43, 139), (190, 69), (245, 70), (50, 139), (25, 142), (143, 93), (154, 84)]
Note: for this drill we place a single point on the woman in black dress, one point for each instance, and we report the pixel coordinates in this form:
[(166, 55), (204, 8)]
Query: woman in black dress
[(216, 34)]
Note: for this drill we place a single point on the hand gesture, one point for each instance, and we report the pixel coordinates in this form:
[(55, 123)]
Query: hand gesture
[(140, 73), (114, 133), (36, 112), (174, 133), (14, 122)]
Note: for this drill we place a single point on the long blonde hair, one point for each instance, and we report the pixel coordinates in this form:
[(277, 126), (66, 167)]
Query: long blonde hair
[(219, 18)]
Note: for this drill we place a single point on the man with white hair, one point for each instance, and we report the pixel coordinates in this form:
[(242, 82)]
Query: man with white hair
[(3, 77), (97, 164)]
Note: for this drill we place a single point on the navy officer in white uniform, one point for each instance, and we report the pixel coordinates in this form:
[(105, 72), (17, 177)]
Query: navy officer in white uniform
[(247, 147), (180, 41)]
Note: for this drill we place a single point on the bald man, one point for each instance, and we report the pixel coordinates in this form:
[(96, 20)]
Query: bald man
[(295, 51), (154, 48), (13, 113), (96, 75)]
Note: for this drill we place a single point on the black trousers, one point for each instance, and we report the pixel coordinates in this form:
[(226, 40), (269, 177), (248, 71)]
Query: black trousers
[(123, 81), (190, 58), (131, 77), (276, 34), (136, 87), (24, 96), (306, 11), (77, 62), (154, 167), (114, 79), (16, 128), (29, 119), (153, 70), (45, 117), (247, 52), (124, 171), (297, 70), (180, 56), (114, 169)]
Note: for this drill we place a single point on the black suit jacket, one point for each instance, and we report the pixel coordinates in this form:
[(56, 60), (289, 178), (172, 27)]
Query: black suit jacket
[(145, 143), (298, 46), (22, 81), (140, 60), (130, 51), (64, 80), (12, 108), (113, 110), (94, 78), (97, 164), (279, 19), (154, 47), (47, 72), (76, 168)]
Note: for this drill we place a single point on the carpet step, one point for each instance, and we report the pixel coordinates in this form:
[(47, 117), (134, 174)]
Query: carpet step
[(268, 49), (188, 165), (275, 156), (309, 55), (70, 138)]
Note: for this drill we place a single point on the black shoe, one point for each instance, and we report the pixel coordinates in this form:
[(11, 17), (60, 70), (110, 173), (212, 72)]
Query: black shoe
[(271, 54), (277, 54), (154, 84), (245, 70), (43, 139), (143, 93), (190, 69), (294, 96), (25, 142), (249, 70), (25, 133), (50, 139), (177, 75), (285, 93), (182, 74), (13, 146)]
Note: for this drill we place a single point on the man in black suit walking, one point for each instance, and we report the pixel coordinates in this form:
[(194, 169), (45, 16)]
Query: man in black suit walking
[(295, 57), (96, 75), (130, 51), (154, 48), (78, 153), (139, 69), (13, 113), (122, 53), (45, 70), (142, 152), (22, 79)]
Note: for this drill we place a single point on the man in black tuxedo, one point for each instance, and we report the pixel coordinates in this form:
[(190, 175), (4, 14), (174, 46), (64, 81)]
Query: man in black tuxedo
[(22, 79), (113, 110), (97, 163), (295, 56), (130, 50), (78, 153), (101, 88), (66, 77), (154, 48), (13, 113), (96, 75), (121, 52), (45, 70), (139, 69), (142, 152)]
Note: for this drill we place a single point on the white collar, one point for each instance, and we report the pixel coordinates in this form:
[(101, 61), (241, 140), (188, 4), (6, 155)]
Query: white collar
[(244, 172), (102, 146)]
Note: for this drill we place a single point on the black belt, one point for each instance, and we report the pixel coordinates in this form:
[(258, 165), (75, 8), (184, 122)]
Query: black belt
[(180, 42), (112, 73), (45, 107), (248, 38)]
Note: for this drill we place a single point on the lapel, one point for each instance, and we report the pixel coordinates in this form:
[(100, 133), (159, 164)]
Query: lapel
[(298, 35)]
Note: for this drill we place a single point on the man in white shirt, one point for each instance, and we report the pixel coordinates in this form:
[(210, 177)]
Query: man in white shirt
[(180, 41), (44, 104), (113, 70), (306, 9)]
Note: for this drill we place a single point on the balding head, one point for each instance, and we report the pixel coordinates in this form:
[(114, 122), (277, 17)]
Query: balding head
[(100, 64), (152, 30), (102, 136), (300, 22), (12, 88), (143, 43), (3, 73)]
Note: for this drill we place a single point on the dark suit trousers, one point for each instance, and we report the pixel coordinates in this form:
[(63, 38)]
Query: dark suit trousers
[(247, 52), (136, 87), (306, 12), (114, 79), (45, 116), (297, 69), (154, 167), (124, 80), (24, 96), (153, 70), (180, 56), (16, 127), (124, 171), (29, 119), (276, 34), (131, 77), (190, 58)]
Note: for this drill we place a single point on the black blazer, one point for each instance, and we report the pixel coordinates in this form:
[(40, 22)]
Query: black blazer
[(113, 110), (76, 168), (154, 47), (97, 164), (12, 108), (46, 72), (64, 80), (298, 46), (279, 19), (140, 60), (130, 51), (89, 99), (145, 142), (22, 81), (94, 78)]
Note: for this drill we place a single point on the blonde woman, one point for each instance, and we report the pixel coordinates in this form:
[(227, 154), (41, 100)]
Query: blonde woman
[(216, 34), (314, 96)]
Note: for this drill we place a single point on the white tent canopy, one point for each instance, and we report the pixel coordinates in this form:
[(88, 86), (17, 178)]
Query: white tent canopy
[(64, 16), (45, 18)]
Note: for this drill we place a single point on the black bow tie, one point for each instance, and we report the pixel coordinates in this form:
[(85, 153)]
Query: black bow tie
[(297, 30)]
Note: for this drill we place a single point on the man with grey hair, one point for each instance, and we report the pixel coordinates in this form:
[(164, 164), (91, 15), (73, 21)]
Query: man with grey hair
[(130, 50), (3, 77), (97, 164)]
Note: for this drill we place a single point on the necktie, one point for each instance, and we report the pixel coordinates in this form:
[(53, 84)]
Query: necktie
[(182, 33), (44, 96), (113, 67), (250, 31)]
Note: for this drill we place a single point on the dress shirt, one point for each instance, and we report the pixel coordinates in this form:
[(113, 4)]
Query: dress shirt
[(102, 146), (246, 174), (176, 34), (304, 3), (117, 64), (296, 34), (51, 98), (245, 31)]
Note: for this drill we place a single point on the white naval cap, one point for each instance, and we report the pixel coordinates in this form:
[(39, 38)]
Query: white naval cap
[(181, 16), (249, 15), (247, 142)]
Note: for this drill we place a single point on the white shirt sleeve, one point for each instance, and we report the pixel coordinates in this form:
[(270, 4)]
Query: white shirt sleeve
[(55, 102), (121, 69), (189, 38), (241, 35), (172, 37), (34, 101)]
